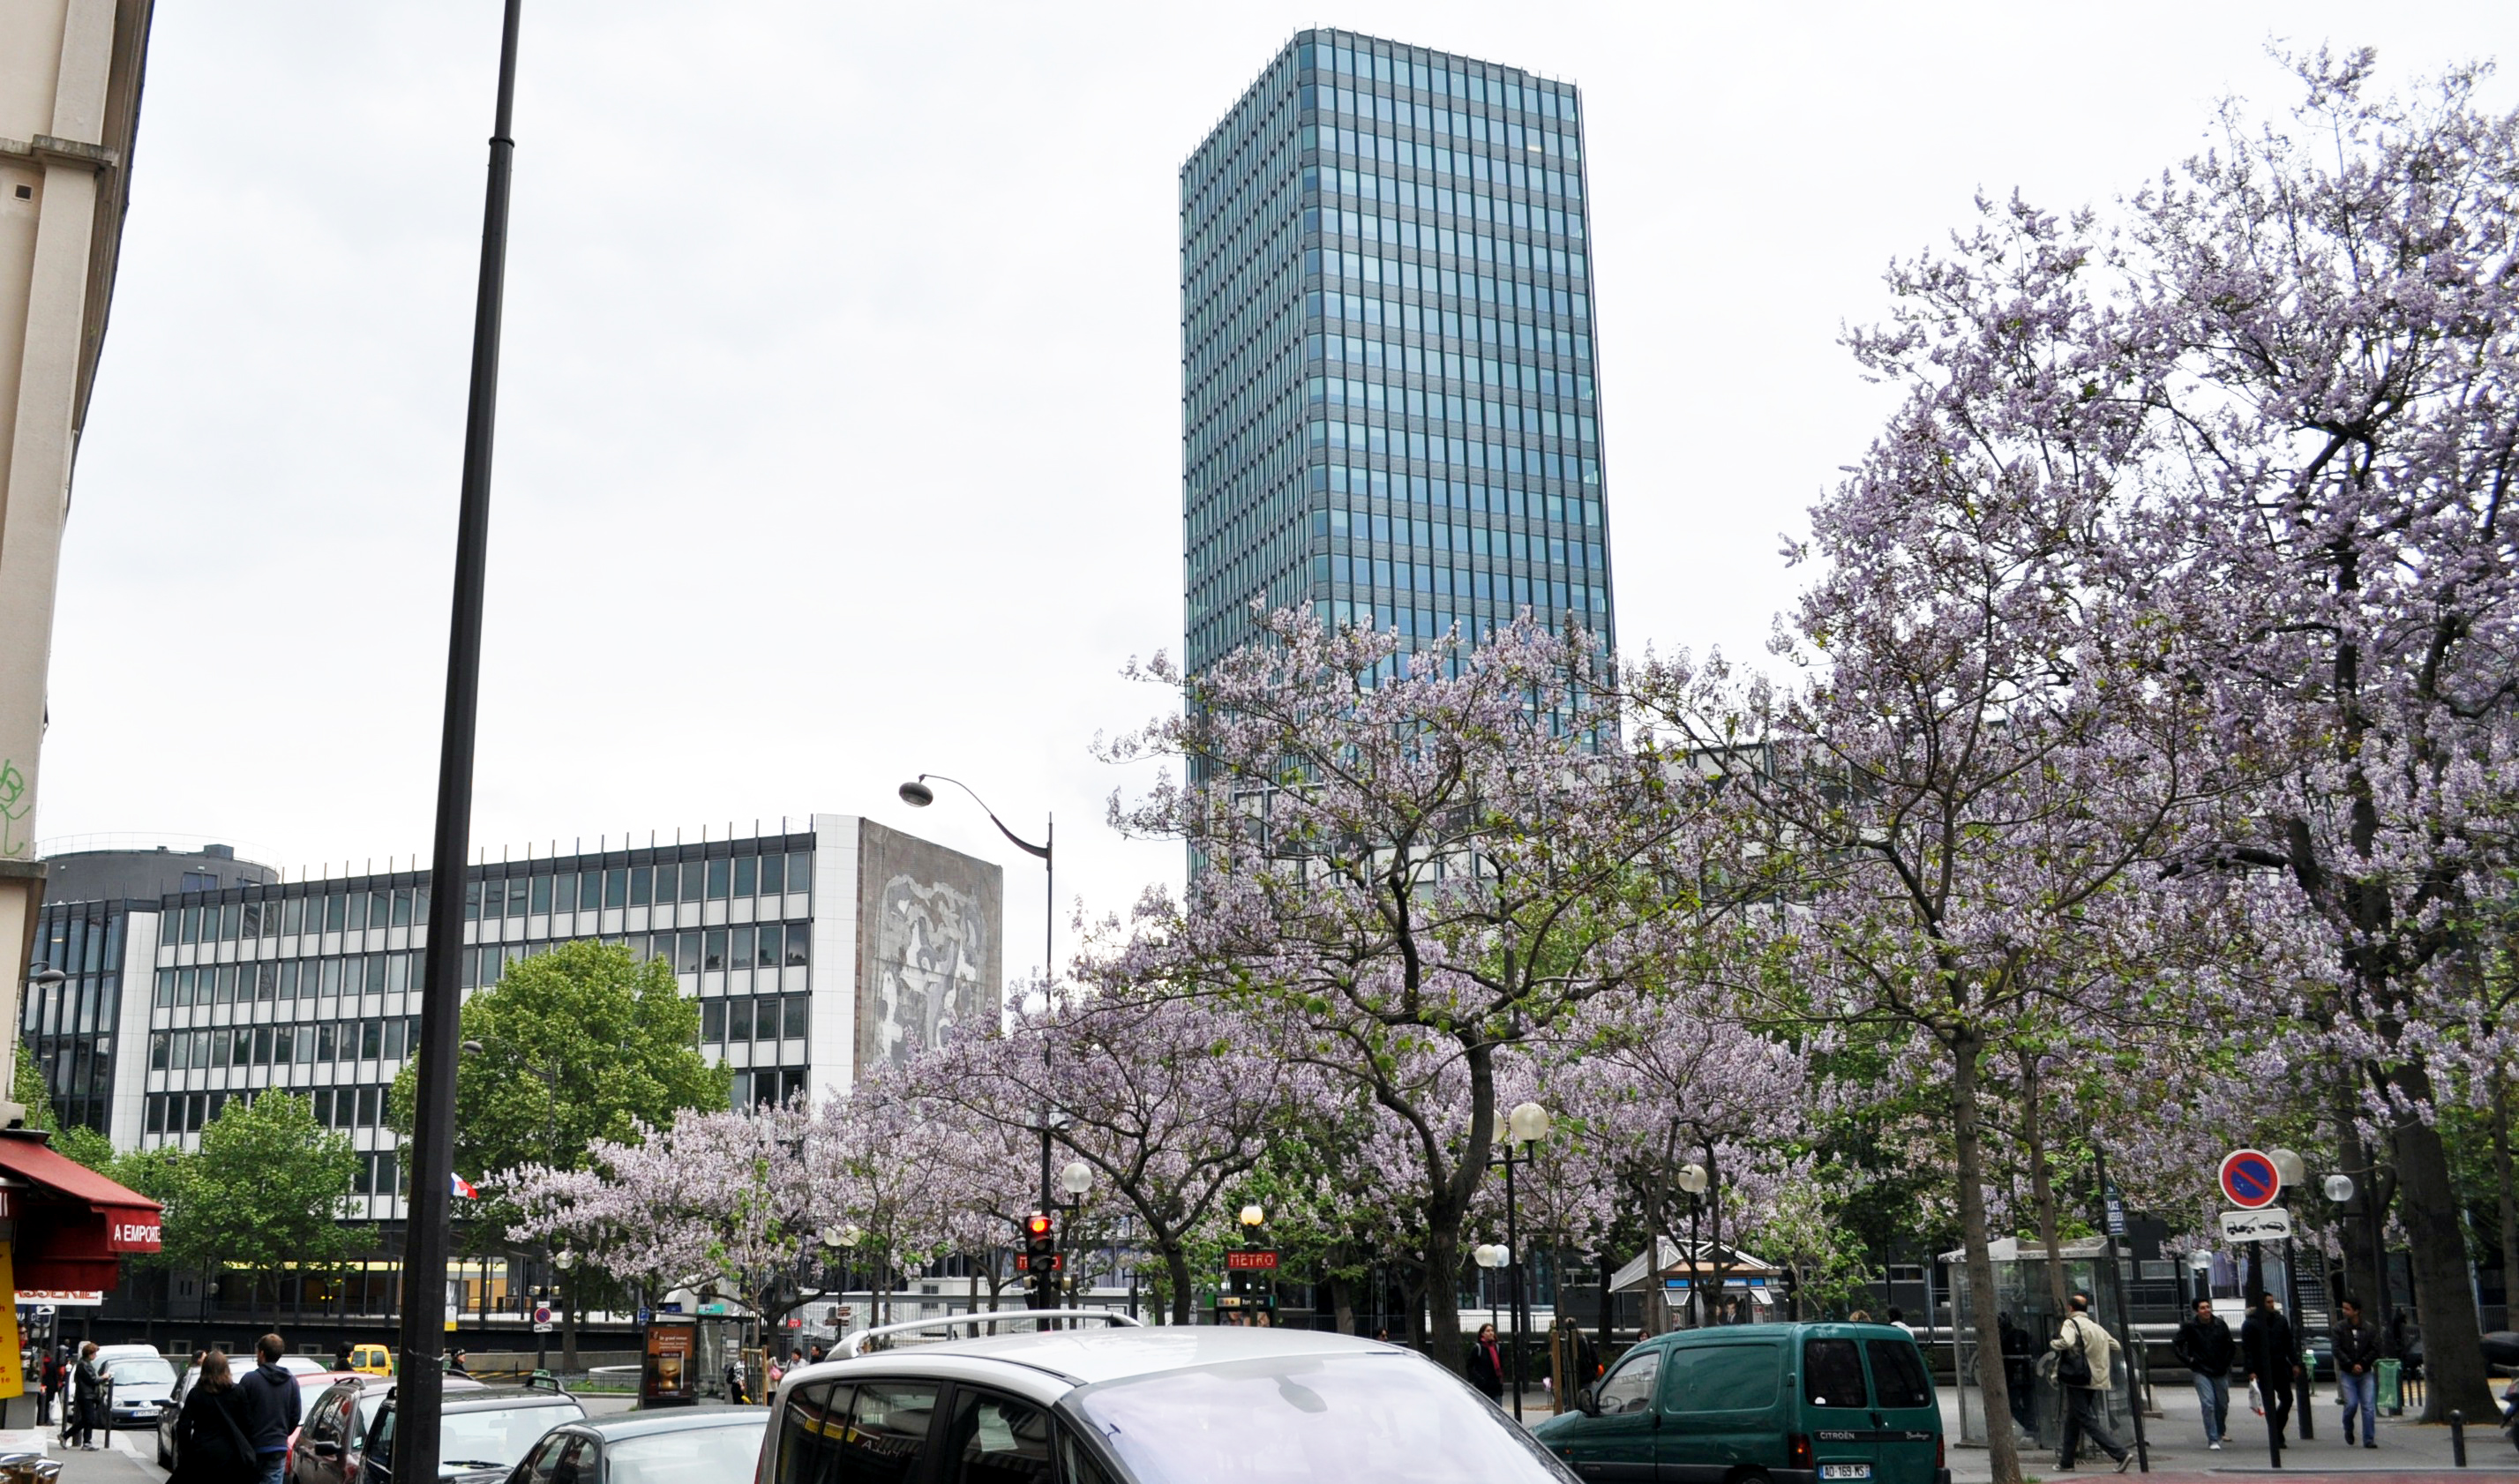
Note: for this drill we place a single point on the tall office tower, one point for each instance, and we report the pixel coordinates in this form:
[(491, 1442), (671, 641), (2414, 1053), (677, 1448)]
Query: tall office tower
[(1388, 403)]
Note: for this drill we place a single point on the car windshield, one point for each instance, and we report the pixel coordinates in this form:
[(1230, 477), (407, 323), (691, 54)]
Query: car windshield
[(142, 1371), (690, 1455), (1395, 1419), (494, 1437)]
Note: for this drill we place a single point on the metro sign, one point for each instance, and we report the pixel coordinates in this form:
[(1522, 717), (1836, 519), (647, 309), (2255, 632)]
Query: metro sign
[(1249, 1260)]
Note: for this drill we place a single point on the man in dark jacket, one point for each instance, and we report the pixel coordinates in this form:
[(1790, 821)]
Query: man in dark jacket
[(2357, 1370), (2205, 1346), (2273, 1355), (271, 1399)]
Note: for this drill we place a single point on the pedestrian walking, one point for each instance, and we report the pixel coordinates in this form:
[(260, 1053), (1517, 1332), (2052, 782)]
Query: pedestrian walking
[(49, 1381), (2357, 1370), (272, 1400), (341, 1356), (213, 1433), (1487, 1364), (2085, 1359), (2206, 1347), (2019, 1371), (87, 1397), (1898, 1319), (735, 1391), (2272, 1356)]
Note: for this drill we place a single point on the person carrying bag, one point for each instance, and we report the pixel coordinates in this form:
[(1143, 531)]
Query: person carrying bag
[(212, 1441)]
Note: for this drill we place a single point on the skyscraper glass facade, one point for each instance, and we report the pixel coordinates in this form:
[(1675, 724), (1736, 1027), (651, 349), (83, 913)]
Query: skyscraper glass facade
[(1390, 408)]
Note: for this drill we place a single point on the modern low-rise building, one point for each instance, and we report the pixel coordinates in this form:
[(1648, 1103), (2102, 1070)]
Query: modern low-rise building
[(193, 977)]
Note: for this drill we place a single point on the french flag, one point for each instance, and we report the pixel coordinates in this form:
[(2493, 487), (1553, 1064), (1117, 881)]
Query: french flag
[(462, 1188)]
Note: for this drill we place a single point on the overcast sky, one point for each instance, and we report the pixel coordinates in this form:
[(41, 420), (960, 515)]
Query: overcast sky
[(838, 435)]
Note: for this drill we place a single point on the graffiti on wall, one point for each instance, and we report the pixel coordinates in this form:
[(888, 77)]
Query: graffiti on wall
[(15, 805)]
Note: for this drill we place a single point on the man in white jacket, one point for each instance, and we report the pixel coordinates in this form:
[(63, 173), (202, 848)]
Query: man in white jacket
[(2085, 1400)]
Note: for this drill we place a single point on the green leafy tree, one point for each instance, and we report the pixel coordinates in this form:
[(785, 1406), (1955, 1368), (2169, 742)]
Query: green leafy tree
[(266, 1191), (579, 1044)]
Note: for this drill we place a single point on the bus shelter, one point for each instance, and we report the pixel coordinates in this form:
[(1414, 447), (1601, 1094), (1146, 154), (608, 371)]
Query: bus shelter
[(2027, 1317)]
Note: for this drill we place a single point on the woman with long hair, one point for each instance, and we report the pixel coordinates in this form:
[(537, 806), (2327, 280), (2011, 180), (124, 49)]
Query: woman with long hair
[(214, 1434)]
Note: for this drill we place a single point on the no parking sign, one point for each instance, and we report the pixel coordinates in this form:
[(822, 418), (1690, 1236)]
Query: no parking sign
[(2249, 1179)]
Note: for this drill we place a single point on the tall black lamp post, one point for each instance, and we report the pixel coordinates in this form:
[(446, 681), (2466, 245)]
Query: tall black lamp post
[(420, 1361), (1525, 1126)]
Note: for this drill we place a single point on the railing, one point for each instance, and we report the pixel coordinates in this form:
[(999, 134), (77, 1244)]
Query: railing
[(855, 1343)]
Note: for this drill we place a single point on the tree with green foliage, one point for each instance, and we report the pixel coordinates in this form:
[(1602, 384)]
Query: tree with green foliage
[(580, 1044), (266, 1191)]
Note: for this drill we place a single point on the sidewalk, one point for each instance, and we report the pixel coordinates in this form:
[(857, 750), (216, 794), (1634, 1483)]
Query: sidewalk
[(130, 1458), (2407, 1451)]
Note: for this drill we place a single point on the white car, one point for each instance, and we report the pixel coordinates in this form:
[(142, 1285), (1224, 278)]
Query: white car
[(1133, 1404)]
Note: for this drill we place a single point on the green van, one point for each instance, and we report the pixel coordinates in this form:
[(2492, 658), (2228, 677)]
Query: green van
[(1787, 1404)]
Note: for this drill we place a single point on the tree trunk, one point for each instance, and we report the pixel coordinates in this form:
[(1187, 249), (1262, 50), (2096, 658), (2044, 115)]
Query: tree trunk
[(2001, 1448), (1342, 1304), (571, 1286), (2361, 1279), (1444, 1300), (2509, 1190), (2041, 1181), (1177, 1273), (2435, 1238)]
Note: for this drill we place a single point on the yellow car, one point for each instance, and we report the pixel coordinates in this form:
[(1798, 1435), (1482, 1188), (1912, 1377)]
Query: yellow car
[(371, 1360)]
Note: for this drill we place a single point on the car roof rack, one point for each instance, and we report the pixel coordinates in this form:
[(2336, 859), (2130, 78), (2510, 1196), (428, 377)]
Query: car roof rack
[(855, 1344)]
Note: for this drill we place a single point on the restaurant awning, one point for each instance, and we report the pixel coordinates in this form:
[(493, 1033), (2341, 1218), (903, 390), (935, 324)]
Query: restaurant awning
[(70, 1225)]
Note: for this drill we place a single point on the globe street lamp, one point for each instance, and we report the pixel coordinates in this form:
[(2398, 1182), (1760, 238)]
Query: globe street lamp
[(1527, 1124), (1693, 1179), (1491, 1256)]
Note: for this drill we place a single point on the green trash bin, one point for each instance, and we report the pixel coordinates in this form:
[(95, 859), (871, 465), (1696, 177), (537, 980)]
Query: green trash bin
[(2387, 1400)]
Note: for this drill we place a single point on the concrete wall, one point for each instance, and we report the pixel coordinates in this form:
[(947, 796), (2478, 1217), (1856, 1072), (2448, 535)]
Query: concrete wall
[(931, 943)]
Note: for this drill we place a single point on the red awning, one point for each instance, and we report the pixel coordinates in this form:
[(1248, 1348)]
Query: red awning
[(73, 1224)]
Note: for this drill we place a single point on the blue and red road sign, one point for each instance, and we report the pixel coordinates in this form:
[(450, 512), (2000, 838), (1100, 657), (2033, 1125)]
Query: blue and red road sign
[(2250, 1179)]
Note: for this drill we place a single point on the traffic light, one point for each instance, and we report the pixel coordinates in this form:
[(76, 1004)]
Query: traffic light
[(1040, 1260)]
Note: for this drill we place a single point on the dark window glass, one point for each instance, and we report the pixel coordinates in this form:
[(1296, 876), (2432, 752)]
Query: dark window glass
[(713, 954), (713, 1020), (542, 896), (888, 1432), (1725, 1377), (716, 878), (746, 874), (337, 910), (294, 917), (795, 945), (773, 875), (367, 1107), (371, 1039), (813, 1435), (767, 956), (739, 951), (518, 887), (1831, 1373), (326, 1040), (799, 871), (997, 1441), (394, 1038), (738, 1020), (616, 887), (640, 882), (686, 953), (471, 902), (358, 911), (1898, 1376), (564, 895), (668, 878), (252, 920), (797, 1009), (262, 1046)]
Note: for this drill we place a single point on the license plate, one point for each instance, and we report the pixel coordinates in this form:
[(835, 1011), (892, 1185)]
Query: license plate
[(1846, 1470)]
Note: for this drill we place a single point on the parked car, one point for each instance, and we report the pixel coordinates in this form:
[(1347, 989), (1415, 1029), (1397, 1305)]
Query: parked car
[(371, 1360), (332, 1425), (481, 1435), (1145, 1406), (707, 1445), (310, 1386), (1791, 1403), (140, 1380)]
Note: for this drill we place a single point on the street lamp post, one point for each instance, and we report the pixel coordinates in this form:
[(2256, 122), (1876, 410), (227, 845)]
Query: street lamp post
[(918, 795), (1525, 1126), (1692, 1180), (1491, 1255), (419, 1361)]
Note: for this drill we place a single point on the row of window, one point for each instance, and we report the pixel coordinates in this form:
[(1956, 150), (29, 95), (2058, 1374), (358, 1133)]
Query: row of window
[(1427, 199), (1529, 503), (1436, 74), (716, 880), (1376, 395), (1504, 591), (1471, 417), (322, 1043), (1421, 625), (1366, 147), (1496, 133), (86, 938), (74, 1005), (766, 1018), (1349, 532), (1347, 229)]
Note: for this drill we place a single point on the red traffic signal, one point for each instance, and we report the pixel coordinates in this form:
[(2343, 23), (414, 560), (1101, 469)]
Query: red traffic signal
[(1038, 1227)]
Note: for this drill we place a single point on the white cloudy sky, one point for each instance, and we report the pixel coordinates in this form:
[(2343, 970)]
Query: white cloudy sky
[(839, 429)]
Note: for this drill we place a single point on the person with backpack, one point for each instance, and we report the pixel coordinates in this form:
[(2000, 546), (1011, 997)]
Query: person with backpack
[(2085, 1358), (2205, 1346), (213, 1441)]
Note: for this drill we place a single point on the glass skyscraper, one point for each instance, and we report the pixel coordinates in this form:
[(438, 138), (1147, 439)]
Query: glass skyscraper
[(1390, 410)]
